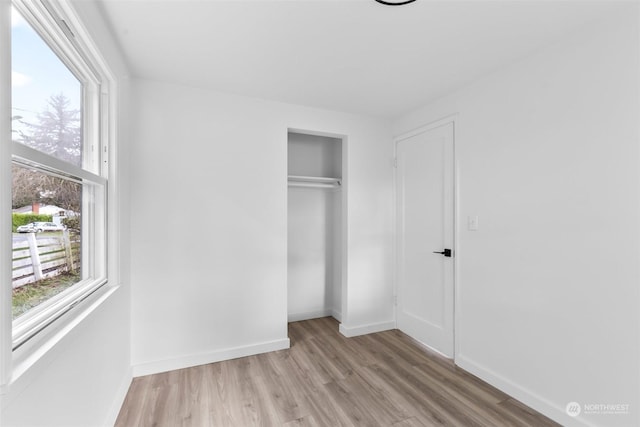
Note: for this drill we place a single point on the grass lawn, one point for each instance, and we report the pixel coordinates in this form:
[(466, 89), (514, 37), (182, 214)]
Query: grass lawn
[(29, 296)]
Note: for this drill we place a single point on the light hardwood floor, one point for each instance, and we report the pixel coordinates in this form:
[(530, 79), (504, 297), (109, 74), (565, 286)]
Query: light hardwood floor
[(325, 379)]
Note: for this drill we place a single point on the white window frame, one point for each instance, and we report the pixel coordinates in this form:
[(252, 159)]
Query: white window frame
[(33, 333)]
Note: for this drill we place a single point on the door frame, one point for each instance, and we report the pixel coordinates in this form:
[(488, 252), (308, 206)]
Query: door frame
[(455, 121)]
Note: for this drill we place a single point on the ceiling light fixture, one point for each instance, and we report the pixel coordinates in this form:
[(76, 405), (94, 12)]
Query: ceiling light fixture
[(395, 3)]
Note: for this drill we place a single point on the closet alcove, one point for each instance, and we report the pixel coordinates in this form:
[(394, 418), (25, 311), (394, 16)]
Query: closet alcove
[(315, 234)]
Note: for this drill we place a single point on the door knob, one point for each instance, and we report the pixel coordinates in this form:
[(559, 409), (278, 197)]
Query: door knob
[(446, 252)]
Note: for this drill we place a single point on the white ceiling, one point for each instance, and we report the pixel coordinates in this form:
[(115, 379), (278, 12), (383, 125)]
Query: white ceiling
[(346, 55)]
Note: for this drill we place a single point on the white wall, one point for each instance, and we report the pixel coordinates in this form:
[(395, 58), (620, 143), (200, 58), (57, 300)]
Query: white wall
[(548, 158), (209, 223), (83, 379)]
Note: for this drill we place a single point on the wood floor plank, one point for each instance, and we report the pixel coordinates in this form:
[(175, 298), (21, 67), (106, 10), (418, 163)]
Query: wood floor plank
[(326, 379), (282, 390), (135, 400), (307, 421), (524, 414), (410, 422), (218, 412), (326, 411), (429, 406), (314, 393), (327, 364), (375, 400), (149, 410), (357, 414), (268, 413)]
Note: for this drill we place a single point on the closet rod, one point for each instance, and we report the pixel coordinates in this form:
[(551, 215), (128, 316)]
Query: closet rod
[(313, 181), (313, 184)]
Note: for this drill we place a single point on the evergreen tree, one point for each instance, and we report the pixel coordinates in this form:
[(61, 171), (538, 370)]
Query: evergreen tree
[(57, 131)]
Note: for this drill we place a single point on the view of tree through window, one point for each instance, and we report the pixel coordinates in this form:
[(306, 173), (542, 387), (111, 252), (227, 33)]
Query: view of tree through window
[(55, 131), (47, 205)]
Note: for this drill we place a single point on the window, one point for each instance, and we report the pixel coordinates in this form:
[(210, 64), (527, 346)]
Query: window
[(59, 169)]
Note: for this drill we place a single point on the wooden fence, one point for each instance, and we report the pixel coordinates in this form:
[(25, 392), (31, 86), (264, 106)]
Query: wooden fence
[(43, 256)]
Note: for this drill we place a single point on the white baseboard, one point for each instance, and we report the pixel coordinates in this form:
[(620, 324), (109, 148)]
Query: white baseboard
[(121, 394), (336, 315), (529, 398), (296, 317), (188, 361), (354, 331)]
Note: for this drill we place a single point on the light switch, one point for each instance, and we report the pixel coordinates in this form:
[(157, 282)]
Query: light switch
[(472, 223)]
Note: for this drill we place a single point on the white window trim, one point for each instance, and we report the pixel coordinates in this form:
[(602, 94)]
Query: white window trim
[(5, 191), (76, 47)]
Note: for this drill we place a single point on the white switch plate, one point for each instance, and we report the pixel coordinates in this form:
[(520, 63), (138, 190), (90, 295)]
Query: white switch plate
[(472, 223)]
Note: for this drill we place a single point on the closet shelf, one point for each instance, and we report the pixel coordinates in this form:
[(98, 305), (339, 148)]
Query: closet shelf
[(314, 181)]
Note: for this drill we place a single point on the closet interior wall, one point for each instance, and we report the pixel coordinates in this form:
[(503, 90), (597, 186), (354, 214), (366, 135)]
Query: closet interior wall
[(314, 227)]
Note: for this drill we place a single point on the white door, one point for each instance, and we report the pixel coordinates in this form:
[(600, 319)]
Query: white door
[(425, 214)]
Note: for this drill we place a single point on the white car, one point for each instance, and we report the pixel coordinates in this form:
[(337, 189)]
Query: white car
[(38, 227)]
